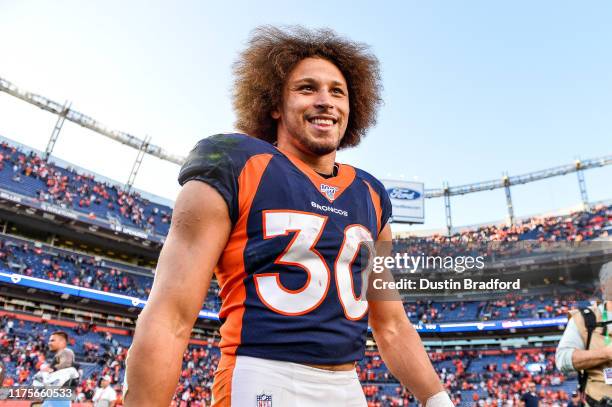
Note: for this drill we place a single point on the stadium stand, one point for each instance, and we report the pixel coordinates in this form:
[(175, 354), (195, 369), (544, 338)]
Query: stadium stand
[(485, 377), (576, 226), (56, 264), (470, 376), (475, 375), (99, 352), (30, 175), (510, 306)]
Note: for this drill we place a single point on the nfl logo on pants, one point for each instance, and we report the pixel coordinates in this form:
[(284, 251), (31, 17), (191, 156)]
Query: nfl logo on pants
[(264, 400)]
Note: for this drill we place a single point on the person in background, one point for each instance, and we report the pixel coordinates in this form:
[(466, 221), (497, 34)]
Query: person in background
[(64, 356), (591, 356), (530, 398), (105, 395), (61, 371), (575, 401)]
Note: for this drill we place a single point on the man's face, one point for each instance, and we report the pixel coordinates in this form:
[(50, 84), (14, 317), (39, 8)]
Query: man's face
[(56, 343), (315, 109), (532, 388)]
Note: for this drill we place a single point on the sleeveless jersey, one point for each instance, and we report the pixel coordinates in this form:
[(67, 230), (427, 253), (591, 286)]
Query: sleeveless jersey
[(290, 274)]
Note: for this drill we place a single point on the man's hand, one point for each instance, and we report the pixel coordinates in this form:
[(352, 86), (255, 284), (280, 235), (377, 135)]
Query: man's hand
[(198, 234)]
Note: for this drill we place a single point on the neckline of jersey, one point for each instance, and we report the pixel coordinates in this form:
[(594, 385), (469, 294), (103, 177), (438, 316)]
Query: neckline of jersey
[(344, 178)]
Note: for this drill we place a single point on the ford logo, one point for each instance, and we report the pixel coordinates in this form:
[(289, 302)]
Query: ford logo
[(403, 193)]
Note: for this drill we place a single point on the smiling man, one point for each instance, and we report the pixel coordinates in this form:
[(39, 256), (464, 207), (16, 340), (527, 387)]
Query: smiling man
[(281, 224), (313, 128)]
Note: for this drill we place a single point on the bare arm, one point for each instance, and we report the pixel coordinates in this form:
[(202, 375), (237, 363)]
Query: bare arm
[(400, 346), (586, 359), (199, 231), (571, 354)]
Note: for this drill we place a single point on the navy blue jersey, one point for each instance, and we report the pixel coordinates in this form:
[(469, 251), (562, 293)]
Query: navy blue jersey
[(290, 275)]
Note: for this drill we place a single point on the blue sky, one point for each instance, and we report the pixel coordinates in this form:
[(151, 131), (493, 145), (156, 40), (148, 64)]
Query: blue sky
[(472, 89)]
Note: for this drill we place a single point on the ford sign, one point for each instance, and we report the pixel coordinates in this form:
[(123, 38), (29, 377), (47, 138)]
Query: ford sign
[(403, 193)]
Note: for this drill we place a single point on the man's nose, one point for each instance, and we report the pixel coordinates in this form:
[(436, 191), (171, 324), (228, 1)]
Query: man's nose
[(324, 100)]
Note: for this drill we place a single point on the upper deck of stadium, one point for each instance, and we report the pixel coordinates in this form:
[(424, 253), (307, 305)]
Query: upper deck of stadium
[(23, 171)]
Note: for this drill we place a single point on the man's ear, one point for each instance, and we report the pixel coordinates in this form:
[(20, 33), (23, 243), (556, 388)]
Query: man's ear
[(275, 114)]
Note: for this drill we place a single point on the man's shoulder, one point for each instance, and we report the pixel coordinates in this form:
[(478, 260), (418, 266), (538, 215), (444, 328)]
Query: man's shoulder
[(370, 179), (222, 156), (234, 144)]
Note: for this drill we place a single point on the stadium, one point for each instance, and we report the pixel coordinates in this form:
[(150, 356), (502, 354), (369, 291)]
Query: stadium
[(78, 253)]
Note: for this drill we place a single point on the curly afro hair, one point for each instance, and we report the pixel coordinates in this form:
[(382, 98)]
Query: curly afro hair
[(272, 53)]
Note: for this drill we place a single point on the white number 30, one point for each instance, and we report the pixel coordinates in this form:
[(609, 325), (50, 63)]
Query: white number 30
[(301, 253)]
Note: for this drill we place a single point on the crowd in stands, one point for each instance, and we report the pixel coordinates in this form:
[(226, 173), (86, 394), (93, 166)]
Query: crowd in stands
[(574, 227), (23, 350), (472, 377), (64, 266), (67, 267), (533, 233), (480, 378), (84, 193), (475, 378), (29, 174), (54, 264), (510, 306)]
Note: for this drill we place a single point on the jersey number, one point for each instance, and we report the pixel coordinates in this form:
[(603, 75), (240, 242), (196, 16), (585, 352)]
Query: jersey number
[(301, 253)]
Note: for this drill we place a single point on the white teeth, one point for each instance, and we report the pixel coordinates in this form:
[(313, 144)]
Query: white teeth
[(328, 122)]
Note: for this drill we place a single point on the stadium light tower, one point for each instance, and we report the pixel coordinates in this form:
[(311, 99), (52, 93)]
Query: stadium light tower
[(582, 185), (61, 117), (88, 122), (145, 147), (137, 162), (506, 181), (447, 207), (521, 179)]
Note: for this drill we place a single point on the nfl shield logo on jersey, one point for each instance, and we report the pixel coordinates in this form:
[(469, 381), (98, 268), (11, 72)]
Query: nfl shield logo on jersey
[(329, 191), (264, 400)]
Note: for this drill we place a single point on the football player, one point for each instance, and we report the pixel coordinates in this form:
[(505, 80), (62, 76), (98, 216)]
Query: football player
[(281, 224)]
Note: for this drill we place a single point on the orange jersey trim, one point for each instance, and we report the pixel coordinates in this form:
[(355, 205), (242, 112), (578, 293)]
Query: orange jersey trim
[(345, 177), (230, 270), (222, 385), (377, 207)]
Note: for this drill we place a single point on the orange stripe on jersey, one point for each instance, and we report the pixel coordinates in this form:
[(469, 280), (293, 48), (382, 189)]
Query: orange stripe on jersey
[(222, 385), (345, 177), (230, 269), (376, 201)]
